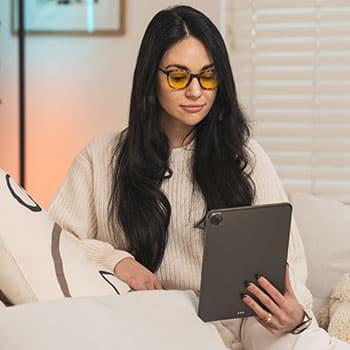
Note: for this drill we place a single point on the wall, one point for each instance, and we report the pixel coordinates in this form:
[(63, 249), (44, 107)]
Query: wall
[(76, 88)]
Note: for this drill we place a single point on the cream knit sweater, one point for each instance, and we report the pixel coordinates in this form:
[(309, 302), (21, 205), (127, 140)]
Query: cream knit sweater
[(80, 207)]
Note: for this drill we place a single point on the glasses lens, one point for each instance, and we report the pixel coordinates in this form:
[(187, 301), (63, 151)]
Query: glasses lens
[(178, 79), (209, 80)]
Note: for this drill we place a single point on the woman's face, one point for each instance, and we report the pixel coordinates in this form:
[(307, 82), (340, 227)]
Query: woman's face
[(179, 114)]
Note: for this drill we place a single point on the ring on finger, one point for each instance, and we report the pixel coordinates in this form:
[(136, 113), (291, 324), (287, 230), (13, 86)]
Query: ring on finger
[(268, 318)]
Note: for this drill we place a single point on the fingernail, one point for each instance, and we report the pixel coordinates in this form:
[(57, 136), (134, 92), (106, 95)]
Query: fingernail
[(247, 283), (242, 295), (257, 276)]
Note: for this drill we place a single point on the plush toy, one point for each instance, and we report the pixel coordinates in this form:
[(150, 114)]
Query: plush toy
[(335, 317)]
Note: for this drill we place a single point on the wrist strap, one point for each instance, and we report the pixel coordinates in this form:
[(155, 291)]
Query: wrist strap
[(308, 320)]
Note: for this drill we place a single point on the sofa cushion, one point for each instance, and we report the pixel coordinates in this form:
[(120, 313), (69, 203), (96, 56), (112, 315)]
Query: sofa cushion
[(324, 226), (156, 320), (40, 261)]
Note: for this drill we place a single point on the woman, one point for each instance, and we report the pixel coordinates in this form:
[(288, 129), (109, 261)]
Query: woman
[(187, 149)]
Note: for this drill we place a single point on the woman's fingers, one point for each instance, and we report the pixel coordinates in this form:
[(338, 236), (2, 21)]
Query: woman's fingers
[(145, 284), (271, 290), (264, 298), (136, 275), (150, 285), (269, 326), (284, 312), (264, 316), (151, 282), (157, 284), (260, 312)]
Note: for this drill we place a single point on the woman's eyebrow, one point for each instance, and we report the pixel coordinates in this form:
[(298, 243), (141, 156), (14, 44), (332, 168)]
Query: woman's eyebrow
[(186, 68)]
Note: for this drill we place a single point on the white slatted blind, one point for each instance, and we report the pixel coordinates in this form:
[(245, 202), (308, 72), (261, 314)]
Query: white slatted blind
[(291, 62)]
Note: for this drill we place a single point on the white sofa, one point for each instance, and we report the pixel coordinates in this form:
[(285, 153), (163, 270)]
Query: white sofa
[(324, 225)]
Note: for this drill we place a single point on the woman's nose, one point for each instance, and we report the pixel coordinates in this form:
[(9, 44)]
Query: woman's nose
[(194, 90)]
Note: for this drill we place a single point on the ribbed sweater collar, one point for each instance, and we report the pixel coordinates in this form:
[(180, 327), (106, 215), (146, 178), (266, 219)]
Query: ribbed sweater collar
[(183, 153)]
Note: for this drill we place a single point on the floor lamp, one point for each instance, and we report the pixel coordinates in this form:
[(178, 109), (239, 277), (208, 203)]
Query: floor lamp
[(21, 51)]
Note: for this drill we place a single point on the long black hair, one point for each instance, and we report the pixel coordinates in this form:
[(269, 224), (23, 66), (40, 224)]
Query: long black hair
[(140, 159)]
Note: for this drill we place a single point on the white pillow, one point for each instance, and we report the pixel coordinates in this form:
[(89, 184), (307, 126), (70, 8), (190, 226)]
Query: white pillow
[(324, 226), (157, 320), (40, 261)]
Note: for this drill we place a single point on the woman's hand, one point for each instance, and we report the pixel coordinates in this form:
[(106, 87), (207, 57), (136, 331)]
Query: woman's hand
[(285, 311), (135, 275)]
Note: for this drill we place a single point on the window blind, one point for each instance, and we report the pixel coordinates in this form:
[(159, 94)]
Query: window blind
[(291, 63)]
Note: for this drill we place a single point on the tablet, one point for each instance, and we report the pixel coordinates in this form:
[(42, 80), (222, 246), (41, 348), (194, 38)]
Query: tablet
[(240, 243)]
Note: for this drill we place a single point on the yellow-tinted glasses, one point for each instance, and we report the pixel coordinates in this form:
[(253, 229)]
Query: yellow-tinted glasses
[(181, 78)]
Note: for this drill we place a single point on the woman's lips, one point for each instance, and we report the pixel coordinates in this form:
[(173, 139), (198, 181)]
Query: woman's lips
[(192, 109)]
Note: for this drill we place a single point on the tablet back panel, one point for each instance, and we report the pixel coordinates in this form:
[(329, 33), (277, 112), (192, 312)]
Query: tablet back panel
[(239, 243)]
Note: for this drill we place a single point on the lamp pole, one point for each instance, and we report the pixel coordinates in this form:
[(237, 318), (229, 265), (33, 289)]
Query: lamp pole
[(21, 51)]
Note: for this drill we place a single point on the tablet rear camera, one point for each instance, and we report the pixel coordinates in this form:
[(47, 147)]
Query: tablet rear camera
[(216, 219)]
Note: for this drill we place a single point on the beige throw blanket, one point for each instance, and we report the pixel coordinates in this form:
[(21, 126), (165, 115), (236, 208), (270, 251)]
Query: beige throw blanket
[(335, 317)]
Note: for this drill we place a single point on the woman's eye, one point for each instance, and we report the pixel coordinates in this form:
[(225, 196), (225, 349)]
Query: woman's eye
[(208, 75), (178, 76)]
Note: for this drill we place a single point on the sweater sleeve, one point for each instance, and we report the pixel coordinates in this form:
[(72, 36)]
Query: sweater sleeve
[(73, 209), (269, 189)]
